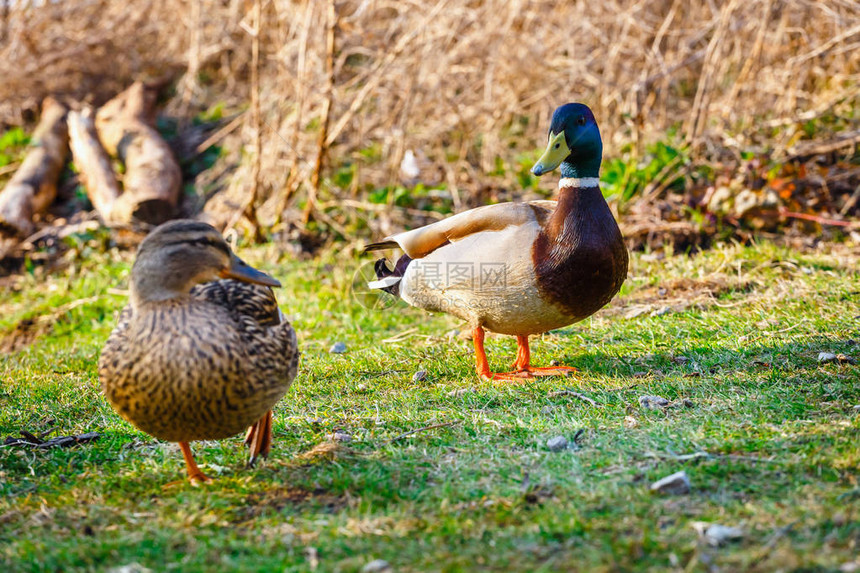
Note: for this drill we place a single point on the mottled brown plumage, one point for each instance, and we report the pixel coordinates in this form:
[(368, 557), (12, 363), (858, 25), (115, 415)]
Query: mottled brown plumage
[(190, 361)]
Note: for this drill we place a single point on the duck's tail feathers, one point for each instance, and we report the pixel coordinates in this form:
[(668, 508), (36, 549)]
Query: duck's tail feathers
[(389, 280), (380, 246)]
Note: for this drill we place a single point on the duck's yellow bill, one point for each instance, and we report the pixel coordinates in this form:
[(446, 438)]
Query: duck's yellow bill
[(556, 152), (242, 271)]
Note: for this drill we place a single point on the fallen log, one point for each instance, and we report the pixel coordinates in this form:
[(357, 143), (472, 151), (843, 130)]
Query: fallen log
[(152, 179), (94, 168), (34, 186), (132, 106)]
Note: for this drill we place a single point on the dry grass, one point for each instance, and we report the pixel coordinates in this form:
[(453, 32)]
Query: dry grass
[(467, 85)]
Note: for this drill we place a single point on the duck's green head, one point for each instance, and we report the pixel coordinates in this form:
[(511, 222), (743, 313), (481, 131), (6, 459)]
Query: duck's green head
[(574, 143)]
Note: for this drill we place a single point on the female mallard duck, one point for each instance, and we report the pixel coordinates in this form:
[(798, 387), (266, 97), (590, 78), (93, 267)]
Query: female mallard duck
[(520, 268), (201, 362)]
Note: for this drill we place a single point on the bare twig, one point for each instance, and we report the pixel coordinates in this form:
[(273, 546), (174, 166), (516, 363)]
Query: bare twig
[(365, 206), (770, 544), (582, 397), (11, 168), (375, 76), (250, 210), (323, 141), (818, 50), (740, 82), (293, 179), (704, 92), (816, 219), (220, 134), (845, 140), (423, 429), (709, 456)]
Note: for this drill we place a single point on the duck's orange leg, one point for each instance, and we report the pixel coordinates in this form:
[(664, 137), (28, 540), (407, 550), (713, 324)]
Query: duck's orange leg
[(195, 476), (521, 368), (523, 353), (481, 364), (522, 365), (259, 438)]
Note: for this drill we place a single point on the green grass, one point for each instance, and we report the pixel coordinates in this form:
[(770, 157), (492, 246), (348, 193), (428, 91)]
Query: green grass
[(483, 493)]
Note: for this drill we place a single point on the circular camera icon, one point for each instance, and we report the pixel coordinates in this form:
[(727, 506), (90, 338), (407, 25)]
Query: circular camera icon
[(373, 299)]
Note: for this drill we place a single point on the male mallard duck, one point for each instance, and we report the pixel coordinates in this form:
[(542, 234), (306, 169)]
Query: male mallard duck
[(520, 268), (201, 362)]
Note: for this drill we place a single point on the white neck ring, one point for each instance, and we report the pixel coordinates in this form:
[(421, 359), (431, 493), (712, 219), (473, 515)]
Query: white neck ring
[(578, 182)]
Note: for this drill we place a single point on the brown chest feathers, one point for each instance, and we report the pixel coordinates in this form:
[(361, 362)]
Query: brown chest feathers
[(580, 258)]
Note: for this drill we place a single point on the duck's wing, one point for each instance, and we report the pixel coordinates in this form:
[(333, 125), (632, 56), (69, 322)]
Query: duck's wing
[(246, 299), (422, 241), (268, 335)]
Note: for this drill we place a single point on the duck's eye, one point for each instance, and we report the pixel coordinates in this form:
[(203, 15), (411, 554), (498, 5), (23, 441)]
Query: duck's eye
[(580, 120), (557, 145)]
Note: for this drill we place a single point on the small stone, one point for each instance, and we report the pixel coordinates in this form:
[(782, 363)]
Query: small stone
[(554, 363), (557, 443), (361, 388), (716, 534), (856, 409), (676, 484), (850, 567), (653, 402), (452, 334), (825, 357), (377, 566), (419, 376), (342, 437), (549, 410), (337, 348), (630, 422)]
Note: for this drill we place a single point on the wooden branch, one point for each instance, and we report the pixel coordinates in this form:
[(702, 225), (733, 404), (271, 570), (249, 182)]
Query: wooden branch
[(422, 429), (152, 179), (250, 210), (94, 166), (809, 149), (582, 397), (134, 105), (34, 186)]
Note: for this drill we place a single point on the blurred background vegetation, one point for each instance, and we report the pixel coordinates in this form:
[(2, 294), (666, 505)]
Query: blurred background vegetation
[(319, 121)]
